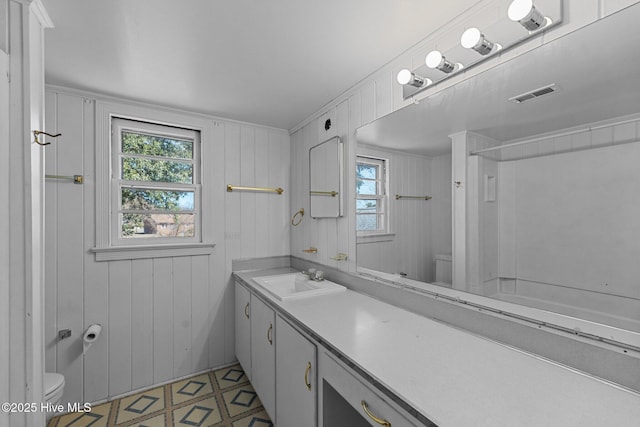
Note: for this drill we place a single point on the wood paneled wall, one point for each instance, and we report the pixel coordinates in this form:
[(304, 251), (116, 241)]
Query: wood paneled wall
[(162, 318)]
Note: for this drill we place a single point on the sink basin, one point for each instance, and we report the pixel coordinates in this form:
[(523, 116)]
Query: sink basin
[(296, 285)]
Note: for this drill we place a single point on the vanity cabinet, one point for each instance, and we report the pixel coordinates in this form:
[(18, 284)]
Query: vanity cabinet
[(243, 328), (263, 353), (348, 401), (296, 374), (255, 344)]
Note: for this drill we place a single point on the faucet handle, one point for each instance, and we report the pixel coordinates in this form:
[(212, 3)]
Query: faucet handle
[(319, 275)]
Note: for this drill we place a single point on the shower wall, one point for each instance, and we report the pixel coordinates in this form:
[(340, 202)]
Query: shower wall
[(568, 226)]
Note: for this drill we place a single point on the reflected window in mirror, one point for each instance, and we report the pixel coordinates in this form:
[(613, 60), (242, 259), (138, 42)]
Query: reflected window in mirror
[(371, 196)]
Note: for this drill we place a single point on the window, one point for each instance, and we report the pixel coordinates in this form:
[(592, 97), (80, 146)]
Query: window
[(371, 196), (155, 185)]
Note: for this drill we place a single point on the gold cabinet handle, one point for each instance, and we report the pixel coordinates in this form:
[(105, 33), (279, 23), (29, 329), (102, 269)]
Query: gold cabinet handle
[(380, 421), (269, 332), (246, 310), (306, 376)]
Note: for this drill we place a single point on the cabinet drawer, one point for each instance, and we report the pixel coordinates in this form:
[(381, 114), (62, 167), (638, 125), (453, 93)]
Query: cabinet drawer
[(372, 408)]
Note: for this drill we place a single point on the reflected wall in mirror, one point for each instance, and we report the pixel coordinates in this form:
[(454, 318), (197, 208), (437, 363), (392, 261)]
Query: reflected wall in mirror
[(550, 200), (407, 224), (326, 179)]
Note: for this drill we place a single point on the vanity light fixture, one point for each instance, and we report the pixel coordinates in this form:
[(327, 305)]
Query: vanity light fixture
[(406, 77), (526, 13), (472, 38), (436, 60)]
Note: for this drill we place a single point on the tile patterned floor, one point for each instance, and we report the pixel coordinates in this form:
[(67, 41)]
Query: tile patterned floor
[(221, 398)]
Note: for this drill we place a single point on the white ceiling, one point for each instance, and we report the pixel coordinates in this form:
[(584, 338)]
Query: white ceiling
[(271, 62)]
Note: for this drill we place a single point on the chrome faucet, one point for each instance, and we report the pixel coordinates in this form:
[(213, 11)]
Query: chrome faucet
[(315, 275)]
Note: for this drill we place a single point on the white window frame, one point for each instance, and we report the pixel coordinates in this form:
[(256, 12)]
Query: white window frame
[(381, 195), (106, 247), (118, 126)]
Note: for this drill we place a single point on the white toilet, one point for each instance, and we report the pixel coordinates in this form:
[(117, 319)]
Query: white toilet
[(53, 389), (444, 271)]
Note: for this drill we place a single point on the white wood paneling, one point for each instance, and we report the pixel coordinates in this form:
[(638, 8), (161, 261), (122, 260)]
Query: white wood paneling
[(96, 360), (182, 289), (119, 327), (68, 241), (51, 238), (199, 309), (141, 323), (261, 169), (279, 153), (162, 318), (247, 198), (5, 247)]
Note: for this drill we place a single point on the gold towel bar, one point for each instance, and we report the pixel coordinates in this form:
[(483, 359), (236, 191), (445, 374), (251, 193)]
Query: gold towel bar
[(398, 197), (324, 193), (278, 190), (77, 179)]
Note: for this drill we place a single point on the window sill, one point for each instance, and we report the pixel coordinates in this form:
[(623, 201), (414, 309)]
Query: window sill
[(375, 238), (115, 253)]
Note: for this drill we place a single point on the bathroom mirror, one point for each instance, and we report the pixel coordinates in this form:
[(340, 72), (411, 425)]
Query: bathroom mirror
[(326, 179), (555, 217)]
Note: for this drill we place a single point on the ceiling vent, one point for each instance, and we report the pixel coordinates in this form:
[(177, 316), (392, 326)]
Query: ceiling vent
[(537, 93)]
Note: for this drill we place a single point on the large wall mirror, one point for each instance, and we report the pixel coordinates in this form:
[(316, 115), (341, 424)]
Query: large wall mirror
[(552, 186), (326, 179)]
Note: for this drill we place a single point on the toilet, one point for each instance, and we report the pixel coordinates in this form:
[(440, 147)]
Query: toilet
[(443, 270), (53, 389)]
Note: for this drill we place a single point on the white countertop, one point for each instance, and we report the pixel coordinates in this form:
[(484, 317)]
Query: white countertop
[(455, 378)]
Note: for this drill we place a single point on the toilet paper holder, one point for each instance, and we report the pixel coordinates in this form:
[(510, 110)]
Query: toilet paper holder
[(91, 334), (64, 333)]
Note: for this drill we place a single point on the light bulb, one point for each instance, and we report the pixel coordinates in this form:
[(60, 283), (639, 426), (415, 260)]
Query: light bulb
[(472, 38), (435, 59), (526, 13), (519, 9), (406, 77)]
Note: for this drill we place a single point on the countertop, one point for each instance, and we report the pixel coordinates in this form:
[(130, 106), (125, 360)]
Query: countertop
[(450, 376)]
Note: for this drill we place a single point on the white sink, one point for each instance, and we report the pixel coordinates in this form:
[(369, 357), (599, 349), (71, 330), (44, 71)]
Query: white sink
[(296, 285)]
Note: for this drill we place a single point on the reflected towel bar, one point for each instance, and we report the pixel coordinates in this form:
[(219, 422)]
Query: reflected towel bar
[(77, 179), (398, 197), (278, 190), (324, 193)]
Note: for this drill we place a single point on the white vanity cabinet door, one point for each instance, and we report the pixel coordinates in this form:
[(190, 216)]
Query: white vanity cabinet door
[(263, 354), (296, 372), (243, 328), (349, 401)]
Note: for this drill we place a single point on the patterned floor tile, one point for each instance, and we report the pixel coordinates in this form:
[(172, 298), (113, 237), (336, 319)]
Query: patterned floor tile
[(191, 388), (158, 421), (220, 398), (261, 419), (140, 404), (98, 417), (230, 377), (202, 413), (241, 400)]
